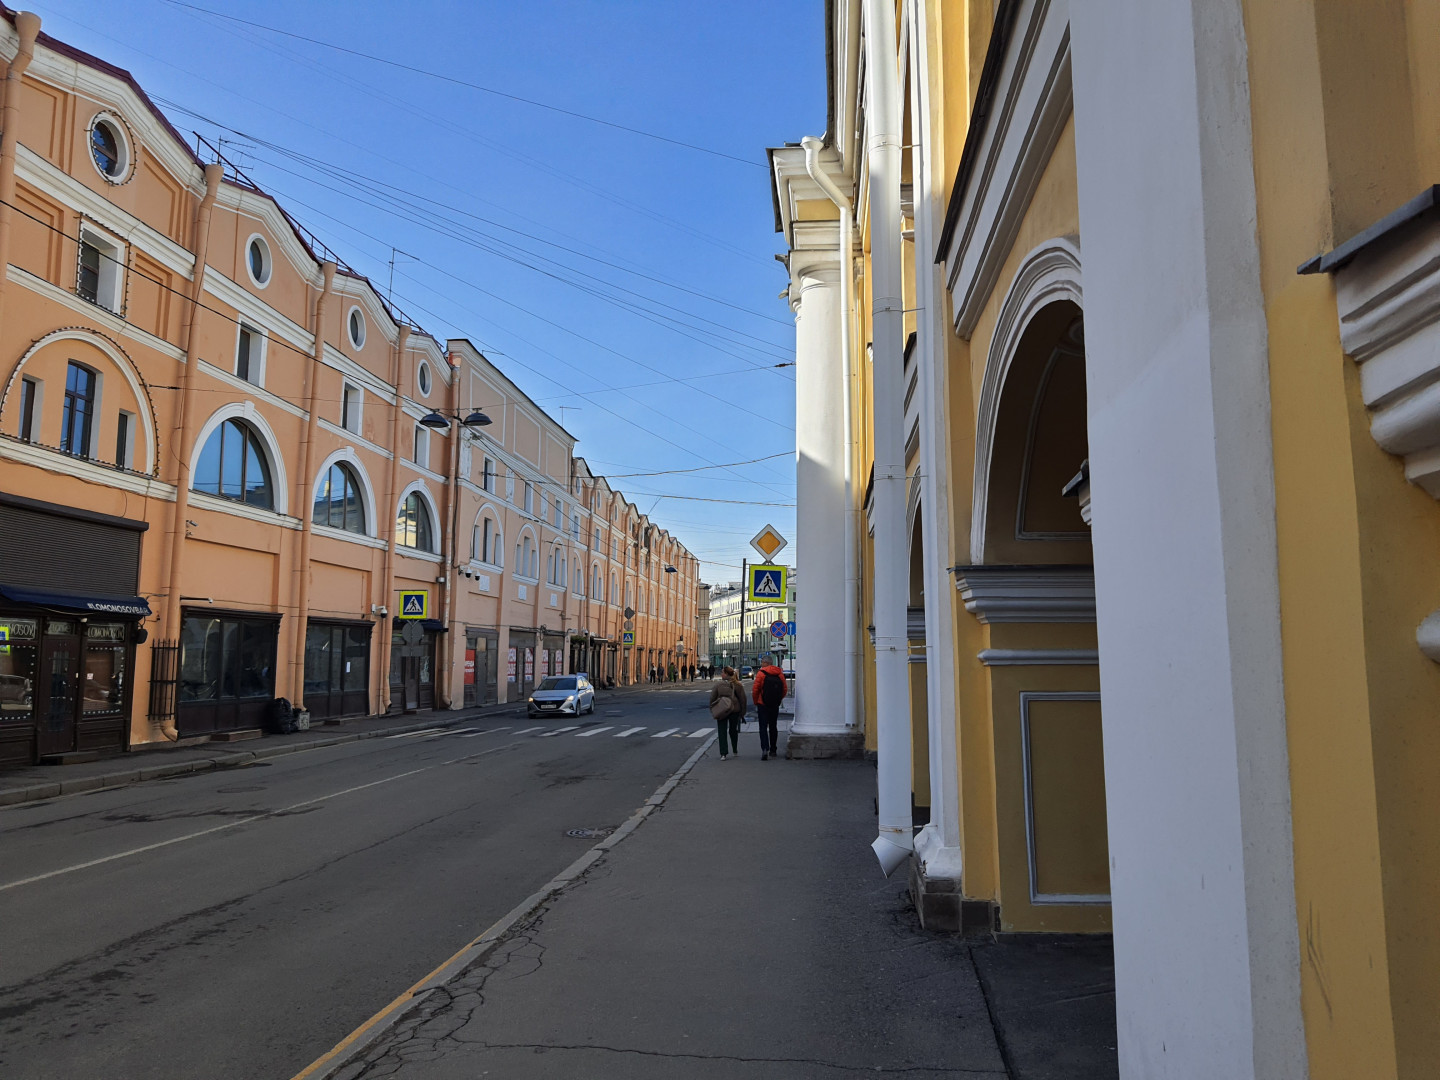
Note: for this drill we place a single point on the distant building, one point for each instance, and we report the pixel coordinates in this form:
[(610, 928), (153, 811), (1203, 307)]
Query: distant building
[(736, 645)]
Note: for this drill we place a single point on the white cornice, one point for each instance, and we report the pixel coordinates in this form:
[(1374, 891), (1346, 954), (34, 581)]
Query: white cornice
[(93, 313), (351, 437), (245, 510), (263, 209), (248, 388), (349, 537), (255, 311), (364, 376), (1038, 657), (1034, 101), (153, 136), (40, 174), (1388, 301), (42, 457), (1027, 594)]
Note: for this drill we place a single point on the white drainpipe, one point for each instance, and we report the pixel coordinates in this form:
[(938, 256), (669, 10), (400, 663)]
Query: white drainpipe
[(851, 674), (892, 683)]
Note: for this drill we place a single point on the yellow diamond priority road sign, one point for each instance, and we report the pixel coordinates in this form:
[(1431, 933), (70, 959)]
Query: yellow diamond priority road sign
[(769, 543)]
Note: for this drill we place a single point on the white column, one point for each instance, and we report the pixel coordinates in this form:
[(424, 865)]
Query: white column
[(1207, 960), (821, 514)]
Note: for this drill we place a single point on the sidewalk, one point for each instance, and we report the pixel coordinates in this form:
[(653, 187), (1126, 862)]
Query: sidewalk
[(744, 930)]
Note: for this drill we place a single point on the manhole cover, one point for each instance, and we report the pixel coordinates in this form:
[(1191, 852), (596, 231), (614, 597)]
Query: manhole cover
[(590, 834)]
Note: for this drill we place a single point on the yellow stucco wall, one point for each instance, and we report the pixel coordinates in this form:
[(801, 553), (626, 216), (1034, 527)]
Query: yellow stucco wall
[(1338, 145)]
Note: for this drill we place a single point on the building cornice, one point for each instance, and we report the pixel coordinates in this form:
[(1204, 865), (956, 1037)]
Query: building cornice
[(1027, 594)]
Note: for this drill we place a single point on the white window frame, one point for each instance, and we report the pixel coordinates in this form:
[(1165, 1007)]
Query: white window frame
[(37, 406), (126, 453), (424, 379), (422, 439), (352, 423), (356, 343), (122, 145), (259, 348), (487, 475), (529, 498), (266, 258), (110, 288)]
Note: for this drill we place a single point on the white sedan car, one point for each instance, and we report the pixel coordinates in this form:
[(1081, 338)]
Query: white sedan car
[(566, 695)]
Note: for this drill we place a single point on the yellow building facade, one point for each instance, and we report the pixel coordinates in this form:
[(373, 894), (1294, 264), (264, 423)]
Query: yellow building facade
[(1119, 326), (230, 471)]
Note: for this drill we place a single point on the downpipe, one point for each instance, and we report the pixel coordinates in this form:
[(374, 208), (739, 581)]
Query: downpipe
[(896, 841)]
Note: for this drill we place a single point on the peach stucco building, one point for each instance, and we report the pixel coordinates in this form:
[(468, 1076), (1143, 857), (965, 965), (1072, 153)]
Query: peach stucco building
[(215, 483)]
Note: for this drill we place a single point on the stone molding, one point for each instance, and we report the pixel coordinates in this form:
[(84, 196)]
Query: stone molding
[(1028, 594), (1388, 301), (1037, 657)]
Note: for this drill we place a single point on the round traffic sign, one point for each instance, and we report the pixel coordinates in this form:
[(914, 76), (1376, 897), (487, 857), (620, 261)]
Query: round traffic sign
[(779, 628)]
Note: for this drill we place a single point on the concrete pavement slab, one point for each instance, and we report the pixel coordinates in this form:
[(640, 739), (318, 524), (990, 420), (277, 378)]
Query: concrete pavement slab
[(744, 931)]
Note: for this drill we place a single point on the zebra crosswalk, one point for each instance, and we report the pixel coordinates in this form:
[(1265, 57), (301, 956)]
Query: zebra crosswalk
[(542, 731)]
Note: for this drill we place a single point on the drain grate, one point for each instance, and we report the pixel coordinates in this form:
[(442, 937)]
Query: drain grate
[(590, 834)]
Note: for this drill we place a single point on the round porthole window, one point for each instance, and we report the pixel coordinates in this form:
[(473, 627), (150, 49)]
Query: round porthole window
[(257, 260), (109, 148), (422, 377), (356, 324)]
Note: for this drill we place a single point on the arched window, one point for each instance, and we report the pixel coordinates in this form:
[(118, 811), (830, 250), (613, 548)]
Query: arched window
[(233, 466), (412, 524), (338, 503)]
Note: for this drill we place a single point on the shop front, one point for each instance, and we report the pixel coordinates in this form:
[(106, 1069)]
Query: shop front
[(552, 653), (520, 663), (413, 647), (227, 670), (69, 623), (337, 669), (482, 653)]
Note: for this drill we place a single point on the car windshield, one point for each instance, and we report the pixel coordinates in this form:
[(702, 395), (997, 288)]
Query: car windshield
[(553, 683)]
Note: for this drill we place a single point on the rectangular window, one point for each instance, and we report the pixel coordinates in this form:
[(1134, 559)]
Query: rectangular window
[(422, 446), (75, 421), (250, 355), (557, 515), (487, 540), (125, 440), (29, 408), (100, 272), (488, 476), (350, 408), (529, 498)]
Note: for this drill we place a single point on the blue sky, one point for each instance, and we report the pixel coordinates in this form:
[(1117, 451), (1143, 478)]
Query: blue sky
[(510, 218)]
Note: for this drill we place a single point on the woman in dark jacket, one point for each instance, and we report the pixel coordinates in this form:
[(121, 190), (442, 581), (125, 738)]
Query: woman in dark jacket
[(727, 706)]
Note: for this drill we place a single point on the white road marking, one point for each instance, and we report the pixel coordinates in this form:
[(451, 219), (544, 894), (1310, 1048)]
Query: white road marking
[(629, 731), (593, 731), (239, 821), (526, 731), (453, 731), (558, 731), (700, 734), (662, 734), (412, 734), (492, 731)]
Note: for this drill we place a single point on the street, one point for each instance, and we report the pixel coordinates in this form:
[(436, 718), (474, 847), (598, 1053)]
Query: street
[(239, 924)]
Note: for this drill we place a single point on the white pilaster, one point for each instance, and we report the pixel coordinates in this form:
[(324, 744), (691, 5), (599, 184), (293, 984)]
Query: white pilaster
[(1197, 778)]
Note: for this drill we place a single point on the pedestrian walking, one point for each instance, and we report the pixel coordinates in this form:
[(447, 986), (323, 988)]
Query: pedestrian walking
[(727, 706), (768, 690)]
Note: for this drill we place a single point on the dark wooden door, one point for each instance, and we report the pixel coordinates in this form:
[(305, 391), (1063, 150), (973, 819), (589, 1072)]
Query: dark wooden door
[(410, 679), (59, 697)]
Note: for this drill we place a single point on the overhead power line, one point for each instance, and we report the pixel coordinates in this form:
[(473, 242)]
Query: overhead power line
[(442, 77)]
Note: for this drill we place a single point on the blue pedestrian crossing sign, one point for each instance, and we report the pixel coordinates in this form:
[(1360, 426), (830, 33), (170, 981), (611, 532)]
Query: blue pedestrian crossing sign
[(627, 637), (414, 605), (768, 585)]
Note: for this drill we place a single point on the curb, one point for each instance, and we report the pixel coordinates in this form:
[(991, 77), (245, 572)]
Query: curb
[(328, 1065), (226, 760)]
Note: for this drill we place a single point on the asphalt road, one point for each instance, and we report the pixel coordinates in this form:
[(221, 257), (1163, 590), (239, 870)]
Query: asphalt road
[(239, 924)]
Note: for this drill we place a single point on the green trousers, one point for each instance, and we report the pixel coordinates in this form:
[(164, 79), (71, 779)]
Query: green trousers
[(731, 726)]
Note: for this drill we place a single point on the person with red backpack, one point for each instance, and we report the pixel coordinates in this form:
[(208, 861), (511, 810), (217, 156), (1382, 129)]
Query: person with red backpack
[(768, 690)]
